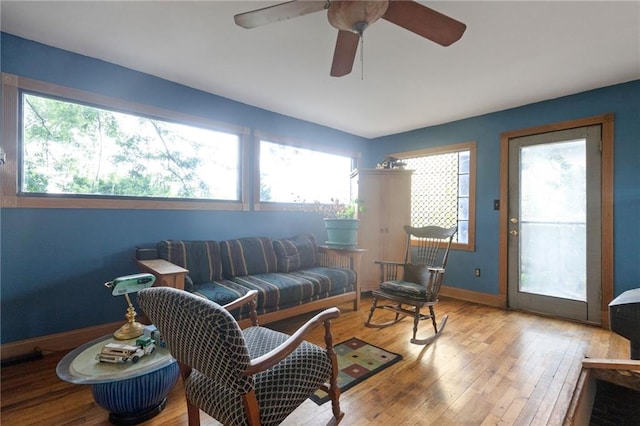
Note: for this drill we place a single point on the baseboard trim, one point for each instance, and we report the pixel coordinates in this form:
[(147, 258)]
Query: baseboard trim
[(56, 342), (472, 296), (72, 339)]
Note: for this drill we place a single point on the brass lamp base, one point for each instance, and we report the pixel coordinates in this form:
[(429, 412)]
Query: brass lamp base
[(130, 330)]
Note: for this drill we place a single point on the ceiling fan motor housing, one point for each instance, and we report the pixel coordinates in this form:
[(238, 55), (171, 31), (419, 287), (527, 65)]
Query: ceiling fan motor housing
[(355, 16)]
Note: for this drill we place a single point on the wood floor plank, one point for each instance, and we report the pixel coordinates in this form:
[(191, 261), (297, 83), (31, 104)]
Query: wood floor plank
[(489, 367)]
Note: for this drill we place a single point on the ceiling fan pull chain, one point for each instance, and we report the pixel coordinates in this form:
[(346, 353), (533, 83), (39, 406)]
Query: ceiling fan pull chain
[(361, 56)]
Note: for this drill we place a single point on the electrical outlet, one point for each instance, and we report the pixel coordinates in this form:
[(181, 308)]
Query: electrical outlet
[(476, 272)]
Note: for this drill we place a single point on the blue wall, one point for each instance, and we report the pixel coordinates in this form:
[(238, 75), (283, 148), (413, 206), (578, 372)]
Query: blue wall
[(622, 100), (53, 261)]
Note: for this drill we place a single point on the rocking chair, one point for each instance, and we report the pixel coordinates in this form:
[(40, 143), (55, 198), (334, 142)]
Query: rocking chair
[(423, 269)]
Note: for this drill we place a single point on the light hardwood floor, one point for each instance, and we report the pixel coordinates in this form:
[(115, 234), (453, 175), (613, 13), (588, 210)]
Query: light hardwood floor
[(489, 367)]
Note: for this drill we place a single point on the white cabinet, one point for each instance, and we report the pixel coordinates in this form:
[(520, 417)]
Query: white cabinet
[(386, 200)]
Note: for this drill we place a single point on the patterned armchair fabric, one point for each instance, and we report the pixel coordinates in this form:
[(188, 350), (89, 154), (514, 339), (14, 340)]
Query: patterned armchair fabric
[(203, 335), (199, 333)]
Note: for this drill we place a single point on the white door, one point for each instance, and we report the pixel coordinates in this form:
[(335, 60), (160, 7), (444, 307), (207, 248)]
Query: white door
[(554, 212)]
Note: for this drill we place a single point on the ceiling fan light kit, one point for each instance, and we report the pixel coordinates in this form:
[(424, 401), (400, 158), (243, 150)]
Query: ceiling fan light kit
[(355, 15), (352, 17)]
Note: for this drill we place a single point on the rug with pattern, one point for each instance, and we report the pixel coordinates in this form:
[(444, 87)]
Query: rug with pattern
[(357, 361)]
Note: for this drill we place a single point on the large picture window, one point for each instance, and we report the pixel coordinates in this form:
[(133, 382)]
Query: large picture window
[(443, 189), (291, 174), (68, 148)]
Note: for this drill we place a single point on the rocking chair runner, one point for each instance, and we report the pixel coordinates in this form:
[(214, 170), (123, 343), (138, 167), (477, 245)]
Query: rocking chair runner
[(254, 376), (425, 261)]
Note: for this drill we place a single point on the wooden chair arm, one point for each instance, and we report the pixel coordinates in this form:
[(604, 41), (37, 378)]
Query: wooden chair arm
[(384, 262), (249, 298), (273, 357)]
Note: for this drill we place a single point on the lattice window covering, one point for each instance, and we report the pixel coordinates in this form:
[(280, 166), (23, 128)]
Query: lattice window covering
[(440, 191)]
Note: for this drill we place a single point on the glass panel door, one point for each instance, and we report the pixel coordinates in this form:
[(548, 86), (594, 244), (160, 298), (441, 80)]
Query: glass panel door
[(554, 223)]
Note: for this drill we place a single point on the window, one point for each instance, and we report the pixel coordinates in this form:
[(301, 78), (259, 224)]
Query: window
[(291, 174), (74, 149), (67, 148), (443, 189)]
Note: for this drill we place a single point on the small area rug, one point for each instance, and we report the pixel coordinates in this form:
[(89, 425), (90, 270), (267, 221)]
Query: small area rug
[(357, 361)]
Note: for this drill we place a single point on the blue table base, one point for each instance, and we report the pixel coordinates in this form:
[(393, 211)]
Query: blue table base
[(134, 419), (137, 399)]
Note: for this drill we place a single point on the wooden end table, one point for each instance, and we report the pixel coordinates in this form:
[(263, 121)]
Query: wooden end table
[(132, 393)]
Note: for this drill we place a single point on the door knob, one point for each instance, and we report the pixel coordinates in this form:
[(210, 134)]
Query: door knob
[(513, 232), (513, 220)]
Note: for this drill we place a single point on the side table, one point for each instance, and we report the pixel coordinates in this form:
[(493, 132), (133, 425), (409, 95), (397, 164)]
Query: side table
[(132, 393)]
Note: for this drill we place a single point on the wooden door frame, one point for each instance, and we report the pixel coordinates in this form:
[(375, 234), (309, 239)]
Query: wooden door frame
[(607, 273)]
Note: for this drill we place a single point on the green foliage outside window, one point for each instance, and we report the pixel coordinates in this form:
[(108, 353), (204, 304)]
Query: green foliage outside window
[(74, 149)]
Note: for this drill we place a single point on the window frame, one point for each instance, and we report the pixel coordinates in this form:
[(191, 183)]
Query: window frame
[(293, 142), (446, 149), (10, 196)]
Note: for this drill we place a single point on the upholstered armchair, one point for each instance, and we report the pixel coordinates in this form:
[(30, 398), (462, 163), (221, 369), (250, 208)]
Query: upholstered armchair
[(255, 376)]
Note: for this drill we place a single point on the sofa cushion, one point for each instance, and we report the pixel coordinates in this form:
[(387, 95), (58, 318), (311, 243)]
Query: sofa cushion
[(407, 289), (221, 292), (276, 289), (247, 256), (417, 274), (282, 290), (201, 258), (330, 281), (296, 252)]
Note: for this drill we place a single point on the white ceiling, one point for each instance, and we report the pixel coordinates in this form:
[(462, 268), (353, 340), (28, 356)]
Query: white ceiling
[(513, 53)]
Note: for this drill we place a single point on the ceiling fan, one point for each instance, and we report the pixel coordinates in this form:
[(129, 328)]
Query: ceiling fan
[(352, 17)]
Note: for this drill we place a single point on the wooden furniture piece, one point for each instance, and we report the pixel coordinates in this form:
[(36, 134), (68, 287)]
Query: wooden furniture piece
[(620, 372), (346, 259), (254, 376), (167, 274), (171, 275), (131, 392), (425, 260), (385, 195)]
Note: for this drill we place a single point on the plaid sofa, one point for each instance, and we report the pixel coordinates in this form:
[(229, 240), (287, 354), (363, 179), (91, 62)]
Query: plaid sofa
[(288, 273)]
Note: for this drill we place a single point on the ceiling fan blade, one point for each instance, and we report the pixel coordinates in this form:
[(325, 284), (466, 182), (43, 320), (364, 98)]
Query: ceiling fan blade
[(425, 22), (278, 12), (345, 53)]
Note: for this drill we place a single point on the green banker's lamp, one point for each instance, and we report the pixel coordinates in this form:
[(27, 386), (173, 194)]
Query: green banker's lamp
[(125, 285)]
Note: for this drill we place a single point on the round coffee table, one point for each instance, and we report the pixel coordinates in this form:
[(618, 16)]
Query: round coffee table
[(132, 393)]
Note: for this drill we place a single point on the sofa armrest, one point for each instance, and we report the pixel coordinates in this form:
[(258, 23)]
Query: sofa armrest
[(343, 258), (167, 274)]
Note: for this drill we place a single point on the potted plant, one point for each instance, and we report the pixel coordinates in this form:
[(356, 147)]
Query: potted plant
[(341, 223)]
